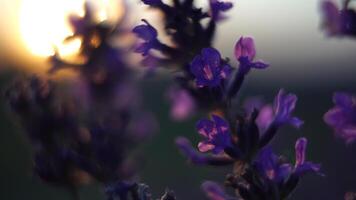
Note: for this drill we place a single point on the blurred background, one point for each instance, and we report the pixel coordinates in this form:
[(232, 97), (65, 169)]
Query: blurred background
[(288, 36)]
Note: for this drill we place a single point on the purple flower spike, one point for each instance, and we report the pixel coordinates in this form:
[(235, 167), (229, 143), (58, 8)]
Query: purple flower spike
[(214, 191), (147, 33), (301, 166), (342, 117), (217, 7), (245, 53), (284, 105), (208, 68), (216, 133)]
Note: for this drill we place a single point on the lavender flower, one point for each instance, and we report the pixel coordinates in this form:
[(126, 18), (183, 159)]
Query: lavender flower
[(245, 53), (217, 7), (183, 105), (216, 134), (338, 22), (272, 177), (199, 158), (284, 105), (147, 33), (342, 117), (208, 69)]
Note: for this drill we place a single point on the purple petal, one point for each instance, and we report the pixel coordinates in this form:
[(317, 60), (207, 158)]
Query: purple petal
[(206, 146), (187, 149), (212, 57), (217, 7), (226, 71), (343, 99), (152, 2), (245, 47), (146, 31), (296, 122), (205, 127), (265, 118), (259, 65), (183, 104), (221, 124), (331, 17), (300, 147), (307, 167), (284, 105)]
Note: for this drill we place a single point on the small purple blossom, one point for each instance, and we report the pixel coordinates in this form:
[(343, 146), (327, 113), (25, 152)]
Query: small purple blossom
[(342, 117), (284, 105), (189, 151), (276, 169), (245, 52), (265, 112), (216, 134), (148, 34), (331, 17), (336, 21), (208, 68), (301, 166), (183, 104), (198, 158), (275, 176), (217, 7)]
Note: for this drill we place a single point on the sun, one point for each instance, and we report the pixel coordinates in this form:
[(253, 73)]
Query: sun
[(44, 25)]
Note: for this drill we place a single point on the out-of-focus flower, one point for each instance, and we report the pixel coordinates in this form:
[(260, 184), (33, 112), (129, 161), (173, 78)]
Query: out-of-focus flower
[(217, 7), (245, 53), (152, 2), (284, 105), (342, 117), (208, 69), (265, 112), (149, 35), (336, 21), (216, 134), (183, 104)]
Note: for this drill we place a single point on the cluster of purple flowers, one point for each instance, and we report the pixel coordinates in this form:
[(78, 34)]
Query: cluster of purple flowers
[(184, 23), (87, 130), (242, 142), (342, 117)]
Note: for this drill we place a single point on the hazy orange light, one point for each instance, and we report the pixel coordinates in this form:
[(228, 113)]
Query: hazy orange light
[(43, 23)]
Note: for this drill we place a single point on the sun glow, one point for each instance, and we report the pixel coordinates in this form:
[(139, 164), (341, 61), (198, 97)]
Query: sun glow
[(43, 23)]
